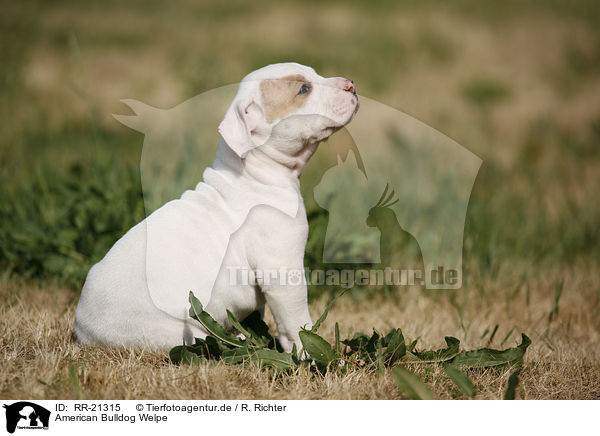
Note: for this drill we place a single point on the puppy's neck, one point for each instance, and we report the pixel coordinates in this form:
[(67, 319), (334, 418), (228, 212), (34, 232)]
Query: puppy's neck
[(276, 165), (266, 164)]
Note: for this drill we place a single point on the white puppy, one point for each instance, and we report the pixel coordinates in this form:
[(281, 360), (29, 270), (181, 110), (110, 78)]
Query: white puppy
[(247, 214)]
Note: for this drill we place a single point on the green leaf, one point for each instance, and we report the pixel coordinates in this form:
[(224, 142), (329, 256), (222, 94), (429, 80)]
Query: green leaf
[(238, 326), (316, 326), (182, 355), (396, 348), (266, 357), (175, 354), (412, 345), (236, 356), (410, 385), (259, 329), (460, 379), (261, 356), (513, 381), (371, 346), (488, 358), (212, 327), (215, 347), (442, 355), (358, 342), (379, 356), (318, 348)]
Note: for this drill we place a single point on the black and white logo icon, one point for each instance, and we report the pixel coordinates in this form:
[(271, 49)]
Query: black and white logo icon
[(26, 415)]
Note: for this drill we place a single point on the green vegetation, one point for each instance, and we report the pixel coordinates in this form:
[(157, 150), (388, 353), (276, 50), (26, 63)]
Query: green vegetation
[(69, 176), (259, 347), (514, 82)]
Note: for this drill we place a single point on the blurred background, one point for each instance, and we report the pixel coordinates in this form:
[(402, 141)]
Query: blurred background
[(515, 82)]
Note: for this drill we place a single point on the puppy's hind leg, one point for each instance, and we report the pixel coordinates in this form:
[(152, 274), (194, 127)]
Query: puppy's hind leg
[(154, 329), (165, 332)]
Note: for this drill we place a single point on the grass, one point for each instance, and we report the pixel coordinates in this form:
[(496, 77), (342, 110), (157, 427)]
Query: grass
[(42, 361), (517, 84)]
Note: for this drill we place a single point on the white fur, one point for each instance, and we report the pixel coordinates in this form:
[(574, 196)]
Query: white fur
[(248, 213)]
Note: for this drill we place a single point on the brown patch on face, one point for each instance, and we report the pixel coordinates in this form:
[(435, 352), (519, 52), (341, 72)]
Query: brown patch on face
[(280, 97)]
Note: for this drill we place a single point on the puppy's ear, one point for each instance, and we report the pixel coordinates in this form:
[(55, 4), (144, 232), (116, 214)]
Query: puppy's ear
[(241, 128)]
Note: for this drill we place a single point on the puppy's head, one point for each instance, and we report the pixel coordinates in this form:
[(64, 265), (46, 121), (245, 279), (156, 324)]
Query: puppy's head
[(288, 106)]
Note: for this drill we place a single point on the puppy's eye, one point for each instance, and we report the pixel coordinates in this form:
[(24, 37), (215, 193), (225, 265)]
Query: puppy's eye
[(304, 89)]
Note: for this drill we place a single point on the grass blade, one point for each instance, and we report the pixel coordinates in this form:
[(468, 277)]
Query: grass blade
[(338, 346), (410, 385), (326, 312), (493, 334), (558, 289), (507, 336), (461, 380)]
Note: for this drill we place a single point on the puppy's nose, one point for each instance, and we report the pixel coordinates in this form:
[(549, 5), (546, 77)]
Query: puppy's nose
[(345, 84), (349, 86)]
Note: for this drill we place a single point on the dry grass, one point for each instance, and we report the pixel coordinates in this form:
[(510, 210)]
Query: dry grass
[(40, 360), (71, 63)]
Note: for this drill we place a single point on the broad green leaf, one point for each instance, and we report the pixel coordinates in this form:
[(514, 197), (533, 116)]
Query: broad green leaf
[(316, 326), (175, 353), (261, 356), (189, 358), (371, 347), (236, 355), (212, 327), (396, 348), (215, 347), (238, 326), (273, 358), (182, 355), (488, 358), (203, 348), (358, 342), (318, 348), (410, 385), (259, 329), (442, 355), (364, 345), (513, 381), (460, 379)]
